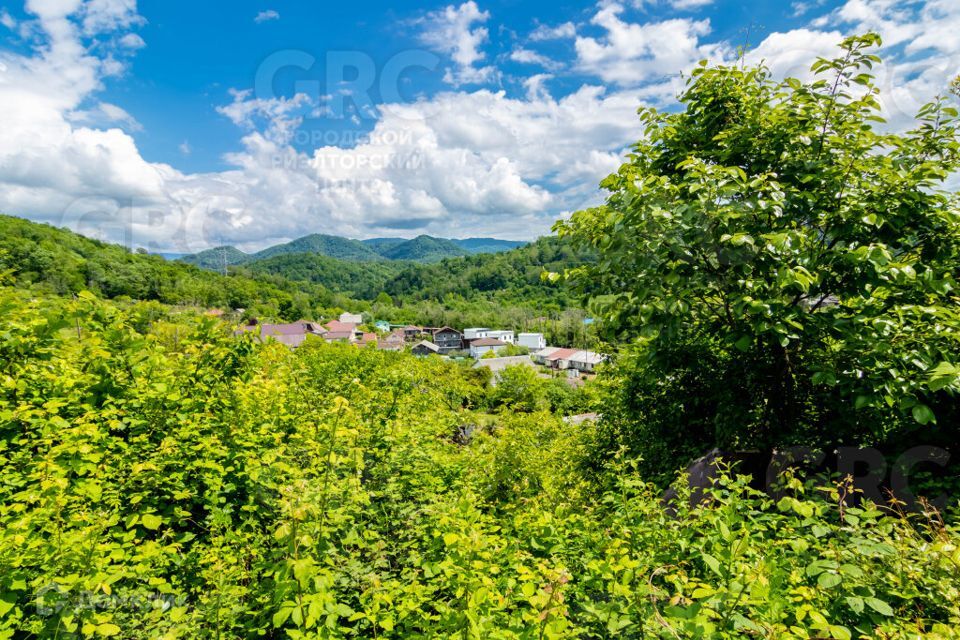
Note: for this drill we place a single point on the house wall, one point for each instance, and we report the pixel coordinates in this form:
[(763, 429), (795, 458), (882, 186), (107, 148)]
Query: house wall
[(532, 340), (477, 352)]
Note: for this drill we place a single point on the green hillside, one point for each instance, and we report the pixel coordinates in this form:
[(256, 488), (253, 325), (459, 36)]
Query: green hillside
[(330, 246), (424, 249), (362, 280), (383, 244), (489, 245), (215, 258)]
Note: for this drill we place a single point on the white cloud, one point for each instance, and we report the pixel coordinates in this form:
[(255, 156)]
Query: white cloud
[(535, 86), (458, 163), (689, 4), (792, 53), (132, 41), (527, 56), (451, 31), (7, 20), (281, 115), (184, 148), (266, 16), (105, 114), (631, 54), (543, 32)]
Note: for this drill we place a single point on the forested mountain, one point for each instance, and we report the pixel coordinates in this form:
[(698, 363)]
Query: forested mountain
[(362, 280), (489, 245), (217, 258), (325, 245), (515, 274), (423, 248)]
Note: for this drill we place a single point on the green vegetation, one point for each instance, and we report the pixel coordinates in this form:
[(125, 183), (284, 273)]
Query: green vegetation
[(423, 248), (788, 271), (297, 285), (362, 280), (175, 481), (784, 275)]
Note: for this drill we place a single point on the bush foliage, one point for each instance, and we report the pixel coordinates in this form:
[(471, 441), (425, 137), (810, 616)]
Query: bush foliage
[(177, 482)]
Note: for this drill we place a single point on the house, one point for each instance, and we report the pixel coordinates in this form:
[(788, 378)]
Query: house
[(424, 348), (586, 361), (354, 318), (448, 339), (382, 326), (532, 341), (367, 339), (338, 331), (496, 365), (540, 357), (559, 359), (477, 333), (412, 332), (392, 342), (291, 334), (481, 346), (501, 335)]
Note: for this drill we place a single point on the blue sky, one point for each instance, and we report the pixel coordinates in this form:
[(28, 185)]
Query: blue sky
[(177, 126)]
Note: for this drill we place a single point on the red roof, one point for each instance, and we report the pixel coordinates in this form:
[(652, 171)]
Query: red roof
[(562, 354), (336, 325)]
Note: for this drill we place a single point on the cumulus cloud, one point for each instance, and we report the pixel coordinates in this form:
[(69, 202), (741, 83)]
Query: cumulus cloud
[(544, 32), (631, 53), (266, 16), (527, 56), (460, 162), (451, 31), (132, 41)]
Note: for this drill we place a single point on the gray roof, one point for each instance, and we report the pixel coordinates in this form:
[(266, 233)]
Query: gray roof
[(427, 344)]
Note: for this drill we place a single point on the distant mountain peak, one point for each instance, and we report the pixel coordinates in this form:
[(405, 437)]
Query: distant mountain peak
[(422, 248)]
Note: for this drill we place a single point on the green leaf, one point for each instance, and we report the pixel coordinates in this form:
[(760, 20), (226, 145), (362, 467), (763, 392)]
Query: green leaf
[(828, 580), (151, 521), (855, 604), (923, 414), (879, 606)]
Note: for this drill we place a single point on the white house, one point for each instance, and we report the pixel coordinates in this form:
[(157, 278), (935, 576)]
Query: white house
[(533, 341), (501, 335), (540, 357), (355, 318), (585, 360), (481, 346), (476, 333)]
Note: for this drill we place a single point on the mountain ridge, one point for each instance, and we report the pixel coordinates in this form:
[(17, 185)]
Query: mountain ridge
[(422, 249)]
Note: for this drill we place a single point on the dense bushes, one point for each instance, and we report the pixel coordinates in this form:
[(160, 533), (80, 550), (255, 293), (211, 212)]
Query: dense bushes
[(175, 481)]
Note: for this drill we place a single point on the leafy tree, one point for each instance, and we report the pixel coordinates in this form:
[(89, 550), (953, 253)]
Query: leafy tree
[(518, 388), (812, 256)]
